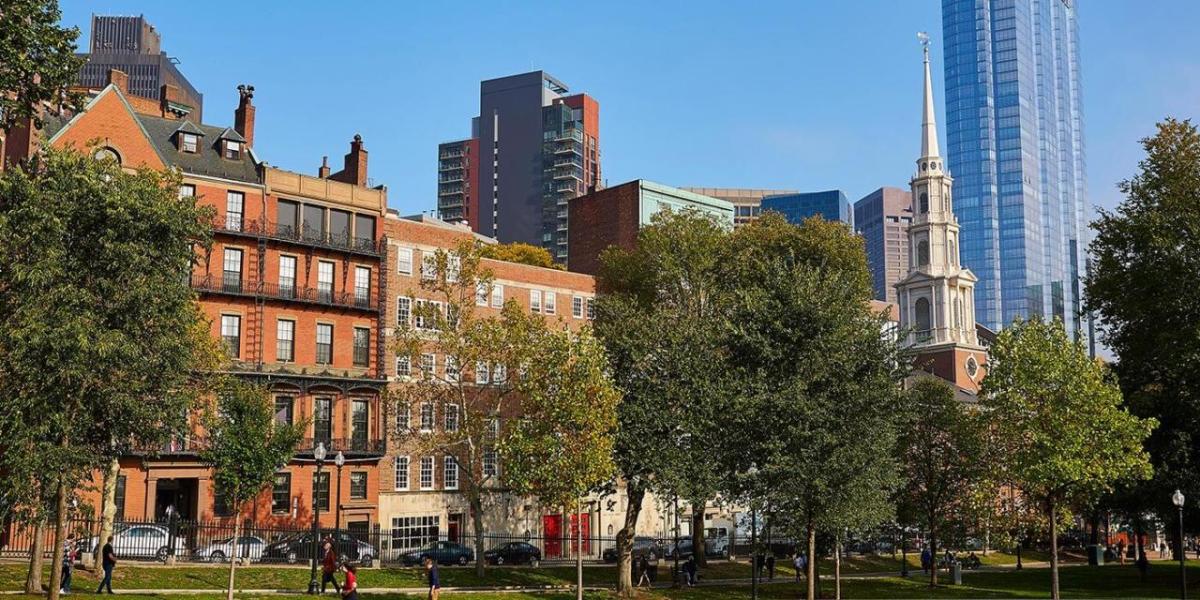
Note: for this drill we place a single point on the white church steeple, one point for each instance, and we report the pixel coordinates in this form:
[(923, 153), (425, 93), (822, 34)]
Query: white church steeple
[(929, 138)]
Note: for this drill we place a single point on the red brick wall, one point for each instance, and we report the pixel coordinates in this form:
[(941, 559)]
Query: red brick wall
[(598, 220), (109, 123)]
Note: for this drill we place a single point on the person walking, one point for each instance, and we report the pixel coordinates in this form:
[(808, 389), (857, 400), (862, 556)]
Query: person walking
[(349, 589), (329, 566), (689, 570), (68, 558), (926, 559), (798, 563), (644, 567), (435, 582), (108, 562), (770, 566), (1121, 550)]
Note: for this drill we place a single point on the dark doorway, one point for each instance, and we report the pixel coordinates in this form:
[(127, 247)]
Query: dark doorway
[(454, 525), (182, 493)]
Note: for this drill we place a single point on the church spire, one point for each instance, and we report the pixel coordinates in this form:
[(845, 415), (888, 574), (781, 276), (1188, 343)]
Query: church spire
[(929, 136)]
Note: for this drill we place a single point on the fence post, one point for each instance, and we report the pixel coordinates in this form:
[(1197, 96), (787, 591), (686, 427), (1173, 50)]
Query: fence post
[(377, 542)]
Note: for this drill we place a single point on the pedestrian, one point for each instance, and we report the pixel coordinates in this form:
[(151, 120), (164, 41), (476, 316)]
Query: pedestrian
[(798, 563), (689, 571), (771, 566), (68, 558), (644, 567), (109, 562), (329, 566), (1121, 550), (926, 559), (435, 582), (349, 590), (1143, 565)]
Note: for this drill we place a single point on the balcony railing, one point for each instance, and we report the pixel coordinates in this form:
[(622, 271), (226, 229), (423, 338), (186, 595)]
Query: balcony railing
[(219, 285), (349, 445), (289, 233), (450, 177), (451, 154), (450, 191)]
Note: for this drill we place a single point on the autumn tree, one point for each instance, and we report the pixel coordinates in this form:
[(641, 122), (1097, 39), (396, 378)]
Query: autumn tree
[(520, 252), (1062, 431)]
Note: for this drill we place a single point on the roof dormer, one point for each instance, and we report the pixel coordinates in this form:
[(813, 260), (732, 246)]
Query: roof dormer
[(231, 144), (187, 137)]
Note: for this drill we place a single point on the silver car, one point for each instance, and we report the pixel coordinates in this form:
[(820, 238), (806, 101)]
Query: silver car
[(142, 541), (248, 547)]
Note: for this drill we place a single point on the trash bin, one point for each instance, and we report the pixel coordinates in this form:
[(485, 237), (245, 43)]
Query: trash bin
[(1095, 555), (956, 572)]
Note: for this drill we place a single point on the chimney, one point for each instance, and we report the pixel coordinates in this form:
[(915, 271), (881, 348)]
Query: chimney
[(118, 78), (355, 170), (323, 172), (243, 117), (166, 95)]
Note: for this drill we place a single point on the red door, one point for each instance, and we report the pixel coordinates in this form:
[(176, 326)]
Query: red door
[(576, 520), (552, 535)]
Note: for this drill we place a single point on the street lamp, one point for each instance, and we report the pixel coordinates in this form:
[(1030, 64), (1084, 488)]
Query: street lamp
[(1177, 500), (340, 461), (319, 455), (903, 552), (675, 575), (751, 473)]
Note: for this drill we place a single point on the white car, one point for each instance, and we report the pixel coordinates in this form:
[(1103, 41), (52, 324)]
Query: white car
[(142, 541), (248, 547)]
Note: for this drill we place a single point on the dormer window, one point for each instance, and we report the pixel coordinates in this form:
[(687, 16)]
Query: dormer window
[(189, 142), (233, 150)]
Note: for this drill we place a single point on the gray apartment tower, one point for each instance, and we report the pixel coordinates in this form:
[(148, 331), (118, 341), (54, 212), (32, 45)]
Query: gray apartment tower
[(882, 219), (538, 147), (133, 46)]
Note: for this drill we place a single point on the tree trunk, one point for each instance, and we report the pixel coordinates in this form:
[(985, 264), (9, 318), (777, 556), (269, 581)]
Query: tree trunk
[(837, 567), (60, 537), (477, 524), (33, 580), (1050, 510), (698, 551), (108, 513), (933, 556), (234, 546), (812, 561), (634, 494)]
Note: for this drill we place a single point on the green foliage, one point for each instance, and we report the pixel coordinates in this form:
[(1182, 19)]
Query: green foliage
[(37, 60), (520, 252), (1143, 285)]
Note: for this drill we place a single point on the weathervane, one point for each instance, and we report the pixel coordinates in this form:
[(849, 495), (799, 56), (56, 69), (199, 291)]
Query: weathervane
[(924, 39)]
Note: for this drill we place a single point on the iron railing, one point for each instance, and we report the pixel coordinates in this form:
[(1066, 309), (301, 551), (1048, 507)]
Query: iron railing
[(241, 287), (297, 235)]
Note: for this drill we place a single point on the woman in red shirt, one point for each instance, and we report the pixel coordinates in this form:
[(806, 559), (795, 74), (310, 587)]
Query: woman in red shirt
[(350, 587)]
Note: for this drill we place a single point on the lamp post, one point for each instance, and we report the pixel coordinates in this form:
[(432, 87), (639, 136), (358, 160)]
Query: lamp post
[(1177, 500), (903, 552), (675, 575), (340, 461), (751, 473), (319, 455)]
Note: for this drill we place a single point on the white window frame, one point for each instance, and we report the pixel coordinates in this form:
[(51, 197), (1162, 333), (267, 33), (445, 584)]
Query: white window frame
[(404, 418), (191, 143), (403, 367), (450, 418), (577, 307), (403, 311), (317, 338), (481, 294), (287, 271), (427, 473), (449, 473), (290, 339), (402, 479), (362, 275), (453, 268), (499, 373), (428, 264), (451, 369), (235, 219), (497, 295), (491, 462), (187, 190), (428, 417), (591, 308), (549, 302), (481, 372), (535, 301), (428, 365), (404, 261), (321, 282)]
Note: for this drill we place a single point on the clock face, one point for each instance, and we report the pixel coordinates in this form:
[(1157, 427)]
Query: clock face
[(972, 367)]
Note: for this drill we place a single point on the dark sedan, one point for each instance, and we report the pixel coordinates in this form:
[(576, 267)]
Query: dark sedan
[(443, 553), (513, 553), (642, 546), (299, 547)]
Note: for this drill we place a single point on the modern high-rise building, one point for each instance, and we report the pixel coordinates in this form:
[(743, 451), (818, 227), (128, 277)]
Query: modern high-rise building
[(1015, 148), (458, 181), (132, 46), (831, 205), (747, 202), (882, 219), (538, 147)]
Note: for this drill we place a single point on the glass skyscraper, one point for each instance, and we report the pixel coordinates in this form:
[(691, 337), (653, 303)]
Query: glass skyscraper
[(1015, 137)]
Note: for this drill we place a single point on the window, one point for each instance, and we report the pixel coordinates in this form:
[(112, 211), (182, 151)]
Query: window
[(481, 372), (426, 416), (403, 366), (428, 265), (220, 504), (321, 491), (481, 294), (491, 463), (285, 340), (427, 472), (119, 498), (233, 150), (360, 420), (287, 276), (591, 308), (449, 473), (283, 410), (403, 311), (550, 303), (497, 295), (451, 369), (410, 533), (323, 420), (404, 261), (234, 207), (453, 267), (577, 307), (499, 374), (426, 316), (281, 493), (535, 300), (362, 346), (922, 253), (324, 343), (288, 219), (314, 223), (403, 418), (428, 365), (923, 319), (231, 277), (358, 485), (231, 334), (451, 411), (187, 190), (362, 287), (401, 473), (325, 281), (924, 198), (190, 142)]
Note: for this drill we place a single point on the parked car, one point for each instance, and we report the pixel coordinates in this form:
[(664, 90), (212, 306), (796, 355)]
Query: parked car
[(685, 548), (513, 553), (443, 553), (248, 546), (642, 546), (299, 547), (141, 541)]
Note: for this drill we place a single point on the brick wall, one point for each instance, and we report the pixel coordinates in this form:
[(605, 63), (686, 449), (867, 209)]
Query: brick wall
[(604, 218)]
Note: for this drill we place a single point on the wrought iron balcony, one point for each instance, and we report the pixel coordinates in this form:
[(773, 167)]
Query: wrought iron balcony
[(291, 234), (215, 284), (352, 446)]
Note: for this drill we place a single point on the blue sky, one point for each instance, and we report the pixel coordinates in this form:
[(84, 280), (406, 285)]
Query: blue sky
[(802, 94)]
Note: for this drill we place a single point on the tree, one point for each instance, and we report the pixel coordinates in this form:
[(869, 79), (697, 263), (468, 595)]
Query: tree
[(37, 61), (1142, 284), (475, 388), (661, 314), (246, 446), (101, 339), (941, 450), (1058, 420), (520, 252), (561, 447)]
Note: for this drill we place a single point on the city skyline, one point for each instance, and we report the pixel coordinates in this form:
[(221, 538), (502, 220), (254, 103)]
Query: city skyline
[(392, 79)]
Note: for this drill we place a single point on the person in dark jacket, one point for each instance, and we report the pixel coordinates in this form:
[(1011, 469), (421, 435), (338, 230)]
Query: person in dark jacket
[(108, 562), (329, 566)]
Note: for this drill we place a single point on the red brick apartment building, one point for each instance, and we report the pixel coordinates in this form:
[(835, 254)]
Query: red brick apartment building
[(292, 287)]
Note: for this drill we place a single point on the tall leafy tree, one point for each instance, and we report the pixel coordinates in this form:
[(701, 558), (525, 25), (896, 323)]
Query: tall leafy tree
[(661, 313), (520, 252), (245, 447), (37, 61), (1142, 285), (1058, 418), (941, 450), (562, 446), (100, 334)]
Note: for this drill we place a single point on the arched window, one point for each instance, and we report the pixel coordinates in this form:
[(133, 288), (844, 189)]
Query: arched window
[(923, 318), (107, 153), (924, 203), (922, 253)]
